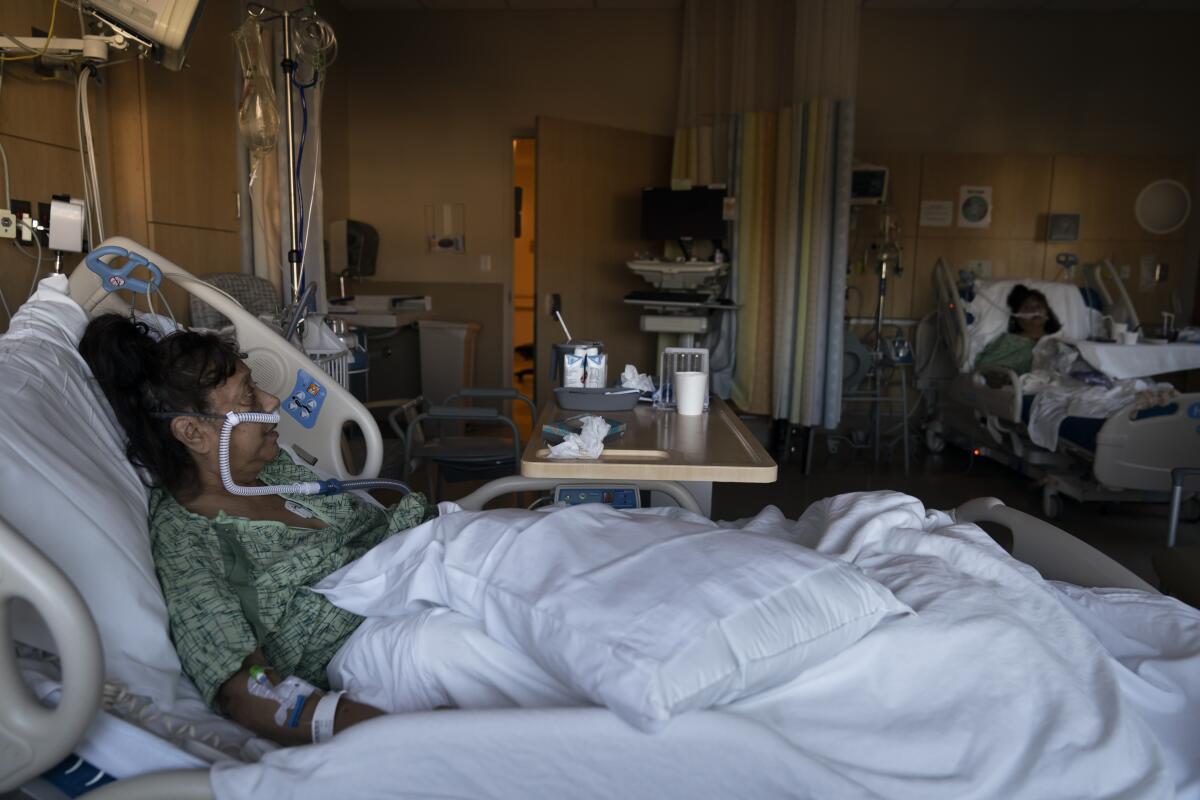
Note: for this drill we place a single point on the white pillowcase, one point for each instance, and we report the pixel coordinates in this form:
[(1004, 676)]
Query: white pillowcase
[(651, 614), (66, 485)]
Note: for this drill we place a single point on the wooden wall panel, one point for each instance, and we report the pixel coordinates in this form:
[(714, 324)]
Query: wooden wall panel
[(191, 126), (1020, 191), (584, 237), (197, 250), (1103, 189), (31, 106), (127, 153)]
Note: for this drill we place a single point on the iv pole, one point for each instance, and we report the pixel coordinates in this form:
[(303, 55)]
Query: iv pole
[(887, 256), (288, 64)]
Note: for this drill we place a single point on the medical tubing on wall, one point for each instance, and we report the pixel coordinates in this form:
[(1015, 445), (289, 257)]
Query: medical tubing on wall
[(232, 420), (96, 208)]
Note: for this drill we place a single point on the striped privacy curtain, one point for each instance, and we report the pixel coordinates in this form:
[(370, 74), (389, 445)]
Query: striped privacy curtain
[(766, 107)]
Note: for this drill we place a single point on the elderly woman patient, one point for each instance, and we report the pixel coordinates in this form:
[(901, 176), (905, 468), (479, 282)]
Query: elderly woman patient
[(1031, 318), (235, 570)]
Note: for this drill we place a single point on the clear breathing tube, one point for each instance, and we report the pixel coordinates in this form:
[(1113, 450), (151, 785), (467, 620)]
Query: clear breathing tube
[(330, 486)]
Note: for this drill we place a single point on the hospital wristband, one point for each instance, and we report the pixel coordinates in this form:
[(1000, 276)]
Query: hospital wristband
[(322, 719)]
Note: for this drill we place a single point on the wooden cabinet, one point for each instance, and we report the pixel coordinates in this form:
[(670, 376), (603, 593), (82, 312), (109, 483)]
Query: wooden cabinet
[(173, 145), (190, 120)]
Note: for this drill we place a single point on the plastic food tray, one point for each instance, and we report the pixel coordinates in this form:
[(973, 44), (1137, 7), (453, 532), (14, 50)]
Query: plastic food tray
[(596, 399)]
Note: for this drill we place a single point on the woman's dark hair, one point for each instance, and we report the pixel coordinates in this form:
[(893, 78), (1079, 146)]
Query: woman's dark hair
[(1017, 298), (141, 376)]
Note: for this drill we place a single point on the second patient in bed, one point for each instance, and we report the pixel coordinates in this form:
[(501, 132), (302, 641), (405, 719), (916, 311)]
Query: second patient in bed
[(234, 570), (1031, 319)]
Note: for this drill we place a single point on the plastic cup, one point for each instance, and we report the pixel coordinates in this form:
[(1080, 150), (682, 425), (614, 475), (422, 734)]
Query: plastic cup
[(690, 390), (1129, 337)]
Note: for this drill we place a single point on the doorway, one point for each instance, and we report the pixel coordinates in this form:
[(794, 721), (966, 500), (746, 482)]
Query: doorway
[(524, 272)]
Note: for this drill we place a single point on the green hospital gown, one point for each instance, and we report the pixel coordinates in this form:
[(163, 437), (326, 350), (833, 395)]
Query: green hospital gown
[(233, 585), (1009, 351)]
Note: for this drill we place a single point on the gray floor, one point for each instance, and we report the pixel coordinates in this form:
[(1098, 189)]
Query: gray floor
[(1130, 533)]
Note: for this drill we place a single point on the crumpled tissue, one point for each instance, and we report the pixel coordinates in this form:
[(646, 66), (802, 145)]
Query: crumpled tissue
[(632, 379), (588, 443)]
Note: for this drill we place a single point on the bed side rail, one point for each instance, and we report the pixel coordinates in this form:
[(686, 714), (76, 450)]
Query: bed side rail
[(275, 364), (177, 784), (34, 738), (1053, 552), (1138, 449), (1119, 306), (952, 320)]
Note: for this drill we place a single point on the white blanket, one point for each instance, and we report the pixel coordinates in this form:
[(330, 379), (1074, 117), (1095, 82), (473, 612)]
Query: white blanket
[(1140, 360), (1058, 394), (646, 618), (1066, 397), (999, 686)]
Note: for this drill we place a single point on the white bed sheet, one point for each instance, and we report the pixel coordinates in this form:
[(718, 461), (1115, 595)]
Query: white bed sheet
[(1000, 686), (1140, 360)]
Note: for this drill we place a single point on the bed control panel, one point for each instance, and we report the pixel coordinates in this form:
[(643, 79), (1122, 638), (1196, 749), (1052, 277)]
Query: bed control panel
[(618, 495)]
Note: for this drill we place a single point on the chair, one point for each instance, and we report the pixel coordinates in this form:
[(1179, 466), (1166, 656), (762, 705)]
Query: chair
[(257, 295), (458, 454)]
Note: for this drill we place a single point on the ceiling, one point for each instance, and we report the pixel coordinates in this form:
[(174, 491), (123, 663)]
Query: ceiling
[(1003, 5)]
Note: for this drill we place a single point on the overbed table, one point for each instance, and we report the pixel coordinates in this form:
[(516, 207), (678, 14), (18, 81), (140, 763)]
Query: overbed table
[(714, 447)]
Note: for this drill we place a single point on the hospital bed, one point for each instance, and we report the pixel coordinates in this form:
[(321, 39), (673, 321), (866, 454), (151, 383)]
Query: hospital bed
[(1126, 457), (542, 752)]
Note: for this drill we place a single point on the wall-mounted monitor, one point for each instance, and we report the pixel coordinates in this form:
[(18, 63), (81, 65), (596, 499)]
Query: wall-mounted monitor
[(167, 24), (868, 185), (353, 246), (688, 214)]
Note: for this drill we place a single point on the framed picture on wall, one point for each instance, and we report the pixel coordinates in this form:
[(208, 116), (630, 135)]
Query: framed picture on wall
[(1062, 228)]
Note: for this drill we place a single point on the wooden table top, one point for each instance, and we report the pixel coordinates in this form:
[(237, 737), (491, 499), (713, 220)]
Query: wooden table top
[(660, 445)]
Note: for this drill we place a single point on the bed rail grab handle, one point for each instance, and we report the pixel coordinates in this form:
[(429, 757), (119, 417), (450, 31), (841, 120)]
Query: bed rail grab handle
[(1053, 552), (177, 784), (34, 738)]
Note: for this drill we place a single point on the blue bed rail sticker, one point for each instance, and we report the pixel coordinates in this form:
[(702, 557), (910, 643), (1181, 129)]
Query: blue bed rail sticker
[(305, 401), (1194, 411)]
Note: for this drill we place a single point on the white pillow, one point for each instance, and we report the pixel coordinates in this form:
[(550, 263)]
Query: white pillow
[(991, 312), (66, 485), (651, 614)]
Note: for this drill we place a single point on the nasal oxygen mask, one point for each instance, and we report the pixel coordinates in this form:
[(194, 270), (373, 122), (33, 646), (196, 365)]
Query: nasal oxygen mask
[(329, 486)]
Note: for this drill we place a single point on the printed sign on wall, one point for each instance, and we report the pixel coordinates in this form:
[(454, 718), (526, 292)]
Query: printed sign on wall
[(975, 207)]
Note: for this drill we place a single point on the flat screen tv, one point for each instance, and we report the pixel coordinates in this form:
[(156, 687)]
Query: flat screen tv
[(687, 214)]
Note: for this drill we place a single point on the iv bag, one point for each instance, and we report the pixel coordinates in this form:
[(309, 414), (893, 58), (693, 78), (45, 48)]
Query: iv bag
[(258, 119)]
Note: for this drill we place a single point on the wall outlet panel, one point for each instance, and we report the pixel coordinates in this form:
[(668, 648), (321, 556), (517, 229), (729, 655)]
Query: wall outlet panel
[(1146, 276), (980, 268), (8, 225)]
